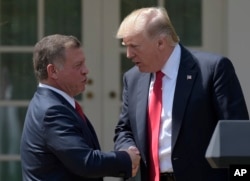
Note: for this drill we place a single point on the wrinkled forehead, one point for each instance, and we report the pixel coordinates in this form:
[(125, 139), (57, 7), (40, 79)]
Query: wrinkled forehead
[(134, 39)]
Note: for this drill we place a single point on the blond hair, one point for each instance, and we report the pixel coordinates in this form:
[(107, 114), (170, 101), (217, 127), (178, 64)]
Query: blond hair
[(152, 21)]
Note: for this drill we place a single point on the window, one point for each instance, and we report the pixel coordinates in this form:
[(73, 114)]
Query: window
[(21, 25)]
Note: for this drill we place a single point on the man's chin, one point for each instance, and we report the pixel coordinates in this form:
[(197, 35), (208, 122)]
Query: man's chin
[(83, 89), (143, 70)]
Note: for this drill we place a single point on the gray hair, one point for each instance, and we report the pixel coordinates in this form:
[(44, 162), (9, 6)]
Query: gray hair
[(51, 50)]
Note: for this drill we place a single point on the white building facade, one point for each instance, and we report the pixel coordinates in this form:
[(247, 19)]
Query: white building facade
[(219, 26)]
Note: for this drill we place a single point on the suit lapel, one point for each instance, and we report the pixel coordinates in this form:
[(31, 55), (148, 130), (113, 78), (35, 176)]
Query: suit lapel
[(86, 125), (93, 137), (185, 81)]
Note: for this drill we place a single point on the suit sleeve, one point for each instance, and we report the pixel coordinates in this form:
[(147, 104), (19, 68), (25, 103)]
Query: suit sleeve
[(123, 132), (67, 139), (228, 95)]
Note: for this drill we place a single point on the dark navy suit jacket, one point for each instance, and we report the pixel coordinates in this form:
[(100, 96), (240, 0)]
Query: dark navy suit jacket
[(207, 90), (57, 144)]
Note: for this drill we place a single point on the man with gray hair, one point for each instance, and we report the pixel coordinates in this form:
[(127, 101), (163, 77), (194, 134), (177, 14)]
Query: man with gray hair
[(58, 141)]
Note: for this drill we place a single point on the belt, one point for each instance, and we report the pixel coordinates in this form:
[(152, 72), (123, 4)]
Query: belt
[(167, 177)]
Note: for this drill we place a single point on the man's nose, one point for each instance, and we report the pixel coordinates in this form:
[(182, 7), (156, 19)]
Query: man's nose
[(130, 53), (85, 70)]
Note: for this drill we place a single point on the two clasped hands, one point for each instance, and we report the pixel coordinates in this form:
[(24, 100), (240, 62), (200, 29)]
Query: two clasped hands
[(135, 158)]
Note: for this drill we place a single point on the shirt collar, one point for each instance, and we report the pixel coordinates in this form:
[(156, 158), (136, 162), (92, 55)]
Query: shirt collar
[(171, 66), (65, 95)]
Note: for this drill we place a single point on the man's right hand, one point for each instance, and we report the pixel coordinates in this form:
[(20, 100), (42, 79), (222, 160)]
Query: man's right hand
[(135, 158)]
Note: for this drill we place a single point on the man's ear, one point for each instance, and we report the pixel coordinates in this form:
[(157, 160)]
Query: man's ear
[(161, 43), (52, 71)]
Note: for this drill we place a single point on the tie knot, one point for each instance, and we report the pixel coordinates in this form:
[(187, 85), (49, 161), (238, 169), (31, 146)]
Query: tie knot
[(79, 109), (159, 75)]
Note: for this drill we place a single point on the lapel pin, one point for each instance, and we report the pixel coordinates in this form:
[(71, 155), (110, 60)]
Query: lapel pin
[(189, 77)]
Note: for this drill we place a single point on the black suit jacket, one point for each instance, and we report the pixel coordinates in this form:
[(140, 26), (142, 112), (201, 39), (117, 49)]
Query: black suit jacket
[(207, 90), (58, 145)]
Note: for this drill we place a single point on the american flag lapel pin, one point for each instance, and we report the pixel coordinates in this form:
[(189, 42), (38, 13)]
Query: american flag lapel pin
[(189, 77)]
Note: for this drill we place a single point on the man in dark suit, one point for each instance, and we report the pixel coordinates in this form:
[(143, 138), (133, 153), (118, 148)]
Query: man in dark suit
[(198, 90), (59, 143)]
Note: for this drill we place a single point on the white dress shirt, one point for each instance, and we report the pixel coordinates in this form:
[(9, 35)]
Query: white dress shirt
[(170, 70)]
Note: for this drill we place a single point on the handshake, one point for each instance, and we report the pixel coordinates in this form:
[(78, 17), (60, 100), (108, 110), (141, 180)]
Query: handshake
[(135, 158)]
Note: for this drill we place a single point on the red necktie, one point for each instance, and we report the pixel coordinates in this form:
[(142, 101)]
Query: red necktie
[(154, 118), (79, 110)]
